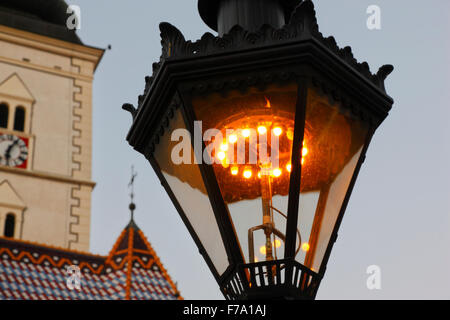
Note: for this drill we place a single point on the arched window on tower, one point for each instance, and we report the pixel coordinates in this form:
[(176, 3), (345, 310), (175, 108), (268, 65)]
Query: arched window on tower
[(10, 224), (4, 113), (19, 119)]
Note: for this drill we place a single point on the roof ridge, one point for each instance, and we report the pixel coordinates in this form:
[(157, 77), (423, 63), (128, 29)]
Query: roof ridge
[(47, 246), (115, 246), (131, 256), (129, 262)]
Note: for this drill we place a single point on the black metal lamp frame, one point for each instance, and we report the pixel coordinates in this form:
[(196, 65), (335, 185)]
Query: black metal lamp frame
[(240, 59)]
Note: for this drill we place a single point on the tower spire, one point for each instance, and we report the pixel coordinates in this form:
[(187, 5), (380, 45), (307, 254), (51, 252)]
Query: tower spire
[(132, 206)]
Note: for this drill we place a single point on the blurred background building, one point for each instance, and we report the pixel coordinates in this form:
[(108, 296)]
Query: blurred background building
[(46, 75)]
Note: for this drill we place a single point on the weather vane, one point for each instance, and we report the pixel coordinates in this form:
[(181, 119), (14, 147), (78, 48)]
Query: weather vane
[(131, 185)]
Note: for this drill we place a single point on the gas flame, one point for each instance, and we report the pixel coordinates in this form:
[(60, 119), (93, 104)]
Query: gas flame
[(268, 105)]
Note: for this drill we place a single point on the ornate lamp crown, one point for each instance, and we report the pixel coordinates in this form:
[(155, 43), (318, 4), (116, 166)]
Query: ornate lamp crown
[(302, 26)]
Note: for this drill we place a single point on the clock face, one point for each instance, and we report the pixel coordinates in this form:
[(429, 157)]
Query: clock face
[(13, 151)]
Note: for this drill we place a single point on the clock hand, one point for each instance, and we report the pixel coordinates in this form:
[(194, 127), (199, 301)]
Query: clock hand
[(8, 151)]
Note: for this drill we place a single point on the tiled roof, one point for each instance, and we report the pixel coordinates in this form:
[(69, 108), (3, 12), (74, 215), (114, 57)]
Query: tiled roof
[(132, 270)]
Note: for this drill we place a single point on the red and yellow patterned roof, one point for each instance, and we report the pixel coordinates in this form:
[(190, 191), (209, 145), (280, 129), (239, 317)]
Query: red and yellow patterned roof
[(132, 270)]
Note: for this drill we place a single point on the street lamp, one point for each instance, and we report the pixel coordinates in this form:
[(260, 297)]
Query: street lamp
[(278, 122)]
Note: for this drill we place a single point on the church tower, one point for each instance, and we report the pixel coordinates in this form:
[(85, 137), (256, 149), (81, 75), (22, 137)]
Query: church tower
[(46, 76)]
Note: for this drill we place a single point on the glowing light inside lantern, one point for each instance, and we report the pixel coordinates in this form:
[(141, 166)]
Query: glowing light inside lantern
[(290, 134), (221, 155), (224, 147), (304, 151), (247, 173), (277, 131), (262, 130), (262, 249), (232, 138), (277, 172), (246, 133), (277, 243), (305, 246)]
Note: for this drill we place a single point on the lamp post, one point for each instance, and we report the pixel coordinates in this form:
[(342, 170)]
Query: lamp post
[(258, 135)]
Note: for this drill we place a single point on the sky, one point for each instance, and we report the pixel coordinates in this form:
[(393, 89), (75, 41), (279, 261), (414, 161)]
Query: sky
[(398, 217)]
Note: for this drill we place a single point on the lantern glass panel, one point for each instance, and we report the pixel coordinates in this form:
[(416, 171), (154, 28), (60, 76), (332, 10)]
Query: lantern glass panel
[(176, 160), (332, 145), (251, 149)]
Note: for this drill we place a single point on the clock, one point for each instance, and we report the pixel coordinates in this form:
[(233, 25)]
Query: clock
[(13, 151)]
